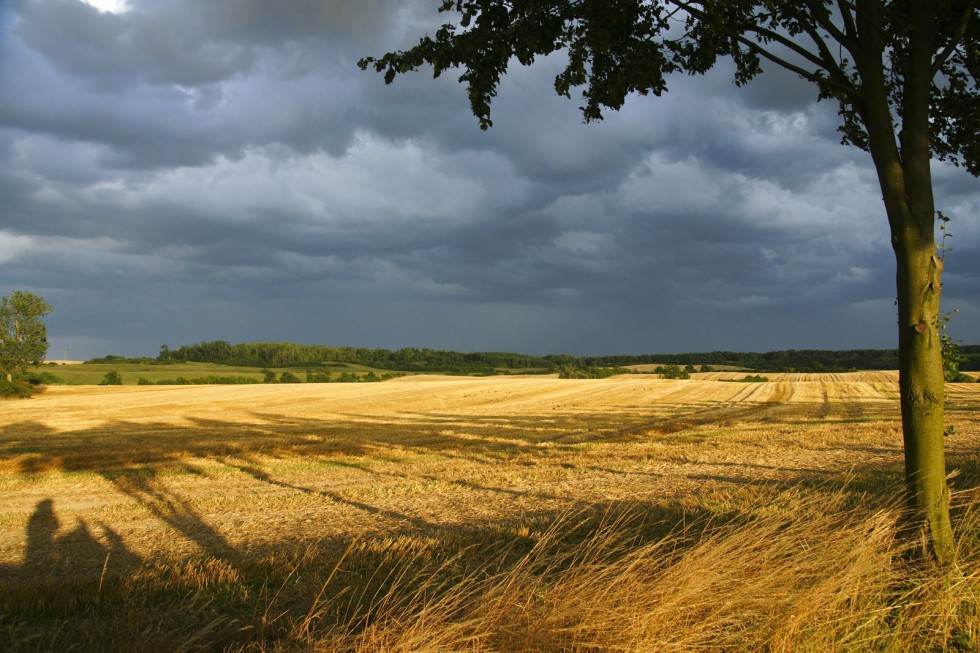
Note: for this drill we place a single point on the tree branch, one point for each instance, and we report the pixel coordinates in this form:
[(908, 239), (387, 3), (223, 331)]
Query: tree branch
[(954, 41), (835, 78), (833, 30), (763, 32), (830, 64), (850, 28)]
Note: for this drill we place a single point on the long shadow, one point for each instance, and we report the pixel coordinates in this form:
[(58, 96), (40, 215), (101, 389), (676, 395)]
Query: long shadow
[(450, 554), (261, 475), (145, 488), (131, 455), (32, 447), (75, 554)]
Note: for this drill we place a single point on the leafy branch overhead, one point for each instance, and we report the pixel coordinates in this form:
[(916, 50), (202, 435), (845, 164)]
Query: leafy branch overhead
[(615, 48)]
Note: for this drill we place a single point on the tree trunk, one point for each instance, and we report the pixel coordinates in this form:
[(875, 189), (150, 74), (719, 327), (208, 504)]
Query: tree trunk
[(905, 177), (921, 385)]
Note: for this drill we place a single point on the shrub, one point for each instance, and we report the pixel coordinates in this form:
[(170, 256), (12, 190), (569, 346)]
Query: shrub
[(203, 380), (569, 371), (112, 377), (289, 377), (43, 378), (672, 372), (15, 389), (959, 377), (225, 380)]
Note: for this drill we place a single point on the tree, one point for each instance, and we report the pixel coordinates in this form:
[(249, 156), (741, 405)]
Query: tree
[(23, 335), (903, 72), (671, 372), (112, 377)]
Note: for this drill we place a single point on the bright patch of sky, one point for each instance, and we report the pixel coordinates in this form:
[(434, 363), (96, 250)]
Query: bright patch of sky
[(109, 6)]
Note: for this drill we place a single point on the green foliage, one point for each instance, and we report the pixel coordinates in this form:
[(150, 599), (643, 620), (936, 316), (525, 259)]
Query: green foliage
[(15, 389), (792, 360), (112, 378), (43, 378), (671, 372), (751, 378), (201, 380), (283, 354), (318, 377), (23, 334), (615, 49), (289, 377), (268, 376), (569, 371), (112, 359), (952, 358), (319, 359)]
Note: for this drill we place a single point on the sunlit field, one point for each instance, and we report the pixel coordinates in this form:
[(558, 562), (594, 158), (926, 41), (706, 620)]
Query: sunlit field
[(477, 514)]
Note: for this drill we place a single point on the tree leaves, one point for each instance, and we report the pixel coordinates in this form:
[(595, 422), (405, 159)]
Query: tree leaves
[(616, 48)]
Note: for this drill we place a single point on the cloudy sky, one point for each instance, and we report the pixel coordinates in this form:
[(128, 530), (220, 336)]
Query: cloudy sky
[(175, 171)]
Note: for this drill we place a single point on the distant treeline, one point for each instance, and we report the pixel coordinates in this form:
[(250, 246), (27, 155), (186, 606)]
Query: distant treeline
[(284, 354), (792, 360)]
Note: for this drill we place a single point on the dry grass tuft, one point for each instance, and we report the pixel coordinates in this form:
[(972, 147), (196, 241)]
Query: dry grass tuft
[(801, 570)]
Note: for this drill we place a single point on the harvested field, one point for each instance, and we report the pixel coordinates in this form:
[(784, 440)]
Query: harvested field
[(179, 470), (106, 482)]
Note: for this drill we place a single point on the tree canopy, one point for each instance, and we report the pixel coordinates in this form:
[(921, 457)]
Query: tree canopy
[(23, 334), (869, 55)]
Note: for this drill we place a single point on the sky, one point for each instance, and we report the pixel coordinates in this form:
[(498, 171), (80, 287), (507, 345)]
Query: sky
[(176, 171)]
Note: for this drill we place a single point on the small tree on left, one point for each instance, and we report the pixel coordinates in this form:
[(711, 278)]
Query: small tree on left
[(23, 335)]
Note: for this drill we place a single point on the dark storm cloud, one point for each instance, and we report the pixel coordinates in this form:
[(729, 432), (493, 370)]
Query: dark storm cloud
[(185, 171)]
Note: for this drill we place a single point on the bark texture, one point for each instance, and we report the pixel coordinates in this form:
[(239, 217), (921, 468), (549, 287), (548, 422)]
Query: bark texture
[(903, 162)]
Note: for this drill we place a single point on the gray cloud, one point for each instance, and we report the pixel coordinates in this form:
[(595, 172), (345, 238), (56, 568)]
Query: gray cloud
[(190, 171)]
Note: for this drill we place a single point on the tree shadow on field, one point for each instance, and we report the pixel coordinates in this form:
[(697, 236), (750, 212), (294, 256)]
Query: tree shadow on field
[(144, 486), (140, 458), (247, 466), (147, 461)]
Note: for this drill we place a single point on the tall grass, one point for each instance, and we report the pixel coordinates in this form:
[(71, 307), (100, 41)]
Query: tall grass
[(799, 569)]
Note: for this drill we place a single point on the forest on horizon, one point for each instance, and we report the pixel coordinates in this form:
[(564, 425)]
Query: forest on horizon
[(411, 359)]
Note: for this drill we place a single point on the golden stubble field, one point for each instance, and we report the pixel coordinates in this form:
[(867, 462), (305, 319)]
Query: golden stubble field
[(109, 477)]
